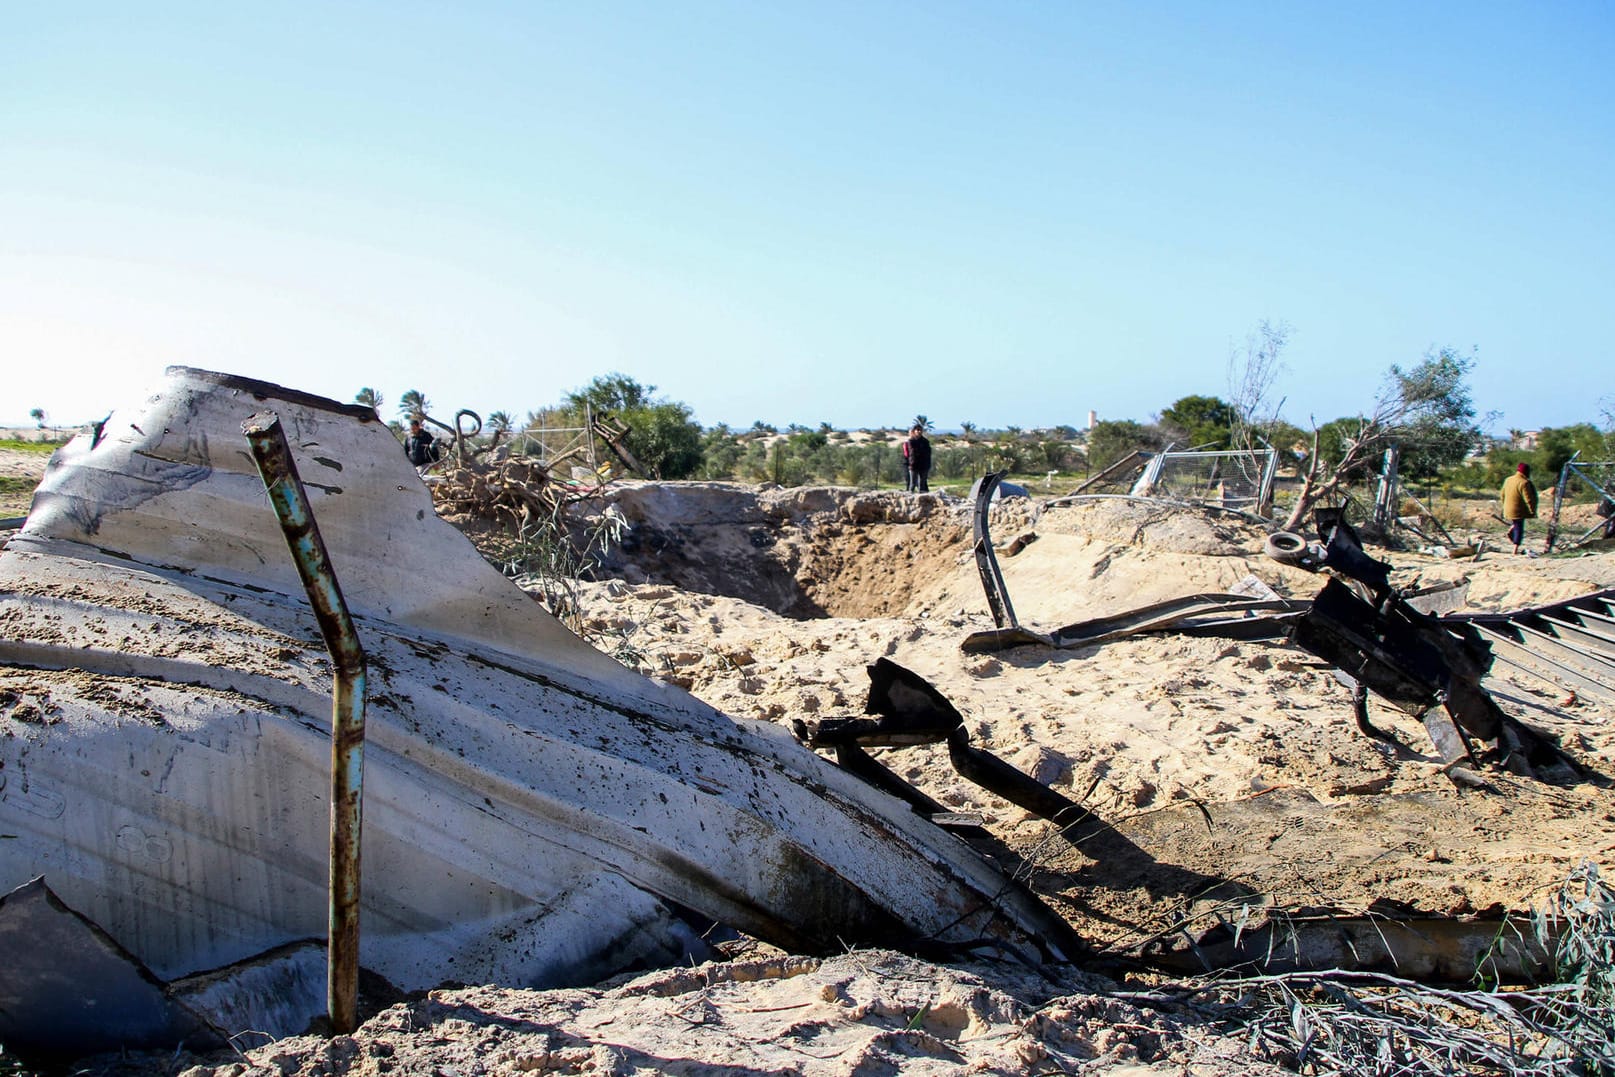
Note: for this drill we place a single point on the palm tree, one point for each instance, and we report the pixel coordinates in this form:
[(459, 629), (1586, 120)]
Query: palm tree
[(968, 430), (413, 402), (38, 416), (922, 422), (500, 422), (369, 398)]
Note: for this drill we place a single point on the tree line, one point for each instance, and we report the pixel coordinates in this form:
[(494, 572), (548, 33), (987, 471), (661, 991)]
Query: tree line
[(1425, 409)]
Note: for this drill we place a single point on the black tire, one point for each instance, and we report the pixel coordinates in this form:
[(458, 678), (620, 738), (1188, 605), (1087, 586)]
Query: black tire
[(1286, 547)]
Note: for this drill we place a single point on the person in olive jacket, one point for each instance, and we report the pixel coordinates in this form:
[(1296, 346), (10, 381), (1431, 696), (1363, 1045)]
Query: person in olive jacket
[(1519, 503)]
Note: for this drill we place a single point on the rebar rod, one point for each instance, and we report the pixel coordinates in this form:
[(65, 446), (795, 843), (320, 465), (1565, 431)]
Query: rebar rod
[(286, 494)]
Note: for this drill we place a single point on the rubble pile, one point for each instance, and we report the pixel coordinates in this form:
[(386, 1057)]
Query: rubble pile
[(510, 491)]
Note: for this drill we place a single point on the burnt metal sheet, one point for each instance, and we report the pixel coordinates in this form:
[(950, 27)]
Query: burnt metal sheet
[(538, 813), (68, 989), (1416, 664), (1416, 661), (1343, 552), (1391, 657), (908, 704)]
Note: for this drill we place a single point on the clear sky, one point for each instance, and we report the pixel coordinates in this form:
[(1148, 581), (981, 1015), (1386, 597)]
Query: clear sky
[(995, 212)]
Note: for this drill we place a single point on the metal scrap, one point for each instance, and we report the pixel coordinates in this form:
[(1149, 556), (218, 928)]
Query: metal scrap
[(1570, 644), (911, 711), (1380, 639), (1413, 660), (1596, 475), (1251, 611)]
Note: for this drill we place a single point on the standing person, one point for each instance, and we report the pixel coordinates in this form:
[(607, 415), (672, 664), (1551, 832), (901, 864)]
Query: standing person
[(1519, 503), (917, 459), (418, 444)]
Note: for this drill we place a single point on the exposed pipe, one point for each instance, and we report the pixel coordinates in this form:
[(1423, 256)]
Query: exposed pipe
[(286, 494)]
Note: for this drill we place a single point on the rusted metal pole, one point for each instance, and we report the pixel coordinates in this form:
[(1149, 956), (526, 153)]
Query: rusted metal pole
[(274, 457)]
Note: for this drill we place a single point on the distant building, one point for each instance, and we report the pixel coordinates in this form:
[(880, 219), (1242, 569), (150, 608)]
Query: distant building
[(1525, 440)]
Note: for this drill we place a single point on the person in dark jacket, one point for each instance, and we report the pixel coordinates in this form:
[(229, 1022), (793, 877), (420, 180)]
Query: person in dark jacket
[(418, 444), (917, 459)]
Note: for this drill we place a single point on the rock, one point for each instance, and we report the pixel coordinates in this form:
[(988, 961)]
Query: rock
[(799, 501), (1044, 765)]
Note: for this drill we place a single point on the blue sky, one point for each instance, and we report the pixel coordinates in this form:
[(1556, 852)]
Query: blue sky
[(1002, 213)]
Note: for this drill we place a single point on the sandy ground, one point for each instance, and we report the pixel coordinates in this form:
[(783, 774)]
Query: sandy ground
[(14, 463), (18, 462), (1227, 778), (1158, 735), (863, 1013), (1231, 772)]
